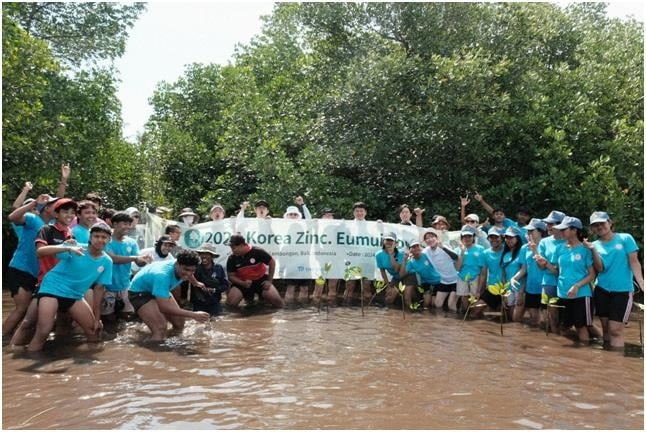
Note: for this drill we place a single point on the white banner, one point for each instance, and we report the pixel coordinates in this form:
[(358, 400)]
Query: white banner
[(301, 248)]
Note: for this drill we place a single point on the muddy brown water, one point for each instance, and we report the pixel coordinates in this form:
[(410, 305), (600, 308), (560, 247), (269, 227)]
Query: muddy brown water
[(301, 369)]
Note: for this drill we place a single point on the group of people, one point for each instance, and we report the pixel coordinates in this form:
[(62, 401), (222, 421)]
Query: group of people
[(77, 263)]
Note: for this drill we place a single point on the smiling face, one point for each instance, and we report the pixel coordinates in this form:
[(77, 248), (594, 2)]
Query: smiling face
[(87, 216), (511, 241), (495, 242), (99, 240), (65, 216), (360, 213)]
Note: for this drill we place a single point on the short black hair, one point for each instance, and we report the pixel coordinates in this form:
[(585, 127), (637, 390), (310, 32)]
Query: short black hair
[(359, 204), (188, 257), (236, 240), (107, 213), (121, 217), (498, 210), (171, 228)]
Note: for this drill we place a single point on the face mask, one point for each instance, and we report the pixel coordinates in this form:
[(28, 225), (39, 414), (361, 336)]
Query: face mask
[(188, 220)]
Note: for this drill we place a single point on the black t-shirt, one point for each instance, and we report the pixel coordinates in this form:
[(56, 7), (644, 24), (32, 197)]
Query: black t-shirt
[(250, 266)]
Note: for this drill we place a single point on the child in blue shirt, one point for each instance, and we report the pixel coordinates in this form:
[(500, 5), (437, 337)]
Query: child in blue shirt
[(63, 286), (389, 260), (419, 272)]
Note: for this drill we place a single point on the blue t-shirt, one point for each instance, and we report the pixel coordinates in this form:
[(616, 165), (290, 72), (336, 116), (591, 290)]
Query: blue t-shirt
[(472, 263), (534, 277), (424, 269), (510, 267), (383, 261), (74, 274), (81, 234), (492, 262), (573, 266), (549, 248), (17, 229), (121, 272), (24, 258), (158, 278), (616, 275)]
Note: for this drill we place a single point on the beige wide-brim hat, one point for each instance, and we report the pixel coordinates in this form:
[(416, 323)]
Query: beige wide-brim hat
[(187, 212), (208, 248)]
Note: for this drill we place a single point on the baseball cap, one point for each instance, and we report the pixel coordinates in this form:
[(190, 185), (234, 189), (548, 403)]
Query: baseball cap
[(413, 243), (599, 216), (439, 218), (569, 222), (390, 236), (493, 231), (261, 203), (554, 217), (536, 223), (468, 230), (472, 216), (512, 231)]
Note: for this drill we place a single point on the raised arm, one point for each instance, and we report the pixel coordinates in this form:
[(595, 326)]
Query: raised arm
[(485, 204), (62, 184), (22, 196), (18, 215)]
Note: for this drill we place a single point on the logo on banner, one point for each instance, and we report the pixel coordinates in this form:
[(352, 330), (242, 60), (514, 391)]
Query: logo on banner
[(193, 238)]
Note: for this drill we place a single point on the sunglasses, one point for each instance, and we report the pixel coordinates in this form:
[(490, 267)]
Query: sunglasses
[(471, 221)]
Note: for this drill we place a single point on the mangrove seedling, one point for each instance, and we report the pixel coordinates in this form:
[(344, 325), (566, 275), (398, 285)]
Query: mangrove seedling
[(379, 287), (354, 273), (322, 282), (401, 288), (500, 289)]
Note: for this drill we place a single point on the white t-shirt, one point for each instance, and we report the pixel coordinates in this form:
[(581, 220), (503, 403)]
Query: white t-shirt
[(443, 264)]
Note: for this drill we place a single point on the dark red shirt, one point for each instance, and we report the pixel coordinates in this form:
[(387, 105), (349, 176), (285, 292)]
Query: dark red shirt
[(250, 266), (50, 235)]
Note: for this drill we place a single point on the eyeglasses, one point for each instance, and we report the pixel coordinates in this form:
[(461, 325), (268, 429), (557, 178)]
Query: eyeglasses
[(471, 221)]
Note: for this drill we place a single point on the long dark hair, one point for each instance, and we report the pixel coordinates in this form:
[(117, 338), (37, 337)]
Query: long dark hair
[(514, 252)]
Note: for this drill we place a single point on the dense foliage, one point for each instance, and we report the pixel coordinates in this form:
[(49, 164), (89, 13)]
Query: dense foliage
[(529, 104), (60, 106), (420, 103)]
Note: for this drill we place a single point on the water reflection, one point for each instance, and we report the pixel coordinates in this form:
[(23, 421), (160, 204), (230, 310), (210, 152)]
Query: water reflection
[(296, 369)]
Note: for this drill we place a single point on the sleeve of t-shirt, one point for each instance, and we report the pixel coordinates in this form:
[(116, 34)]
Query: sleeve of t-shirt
[(263, 256), (629, 243), (30, 220), (41, 237), (106, 275), (508, 222), (522, 255), (409, 267), (378, 260), (588, 257), (231, 268)]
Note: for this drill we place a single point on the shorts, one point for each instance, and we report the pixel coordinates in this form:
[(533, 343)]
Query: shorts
[(138, 299), (64, 303), (462, 287), (17, 279), (616, 306), (578, 312), (532, 301), (116, 302), (297, 282), (493, 301), (447, 288), (256, 288), (550, 291)]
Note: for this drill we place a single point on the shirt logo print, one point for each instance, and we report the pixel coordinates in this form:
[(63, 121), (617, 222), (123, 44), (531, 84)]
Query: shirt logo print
[(100, 269)]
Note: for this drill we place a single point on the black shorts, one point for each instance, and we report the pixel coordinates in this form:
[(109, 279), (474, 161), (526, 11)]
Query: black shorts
[(297, 282), (532, 301), (138, 299), (578, 312), (493, 301), (17, 279), (616, 306), (447, 288), (64, 303), (255, 288)]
